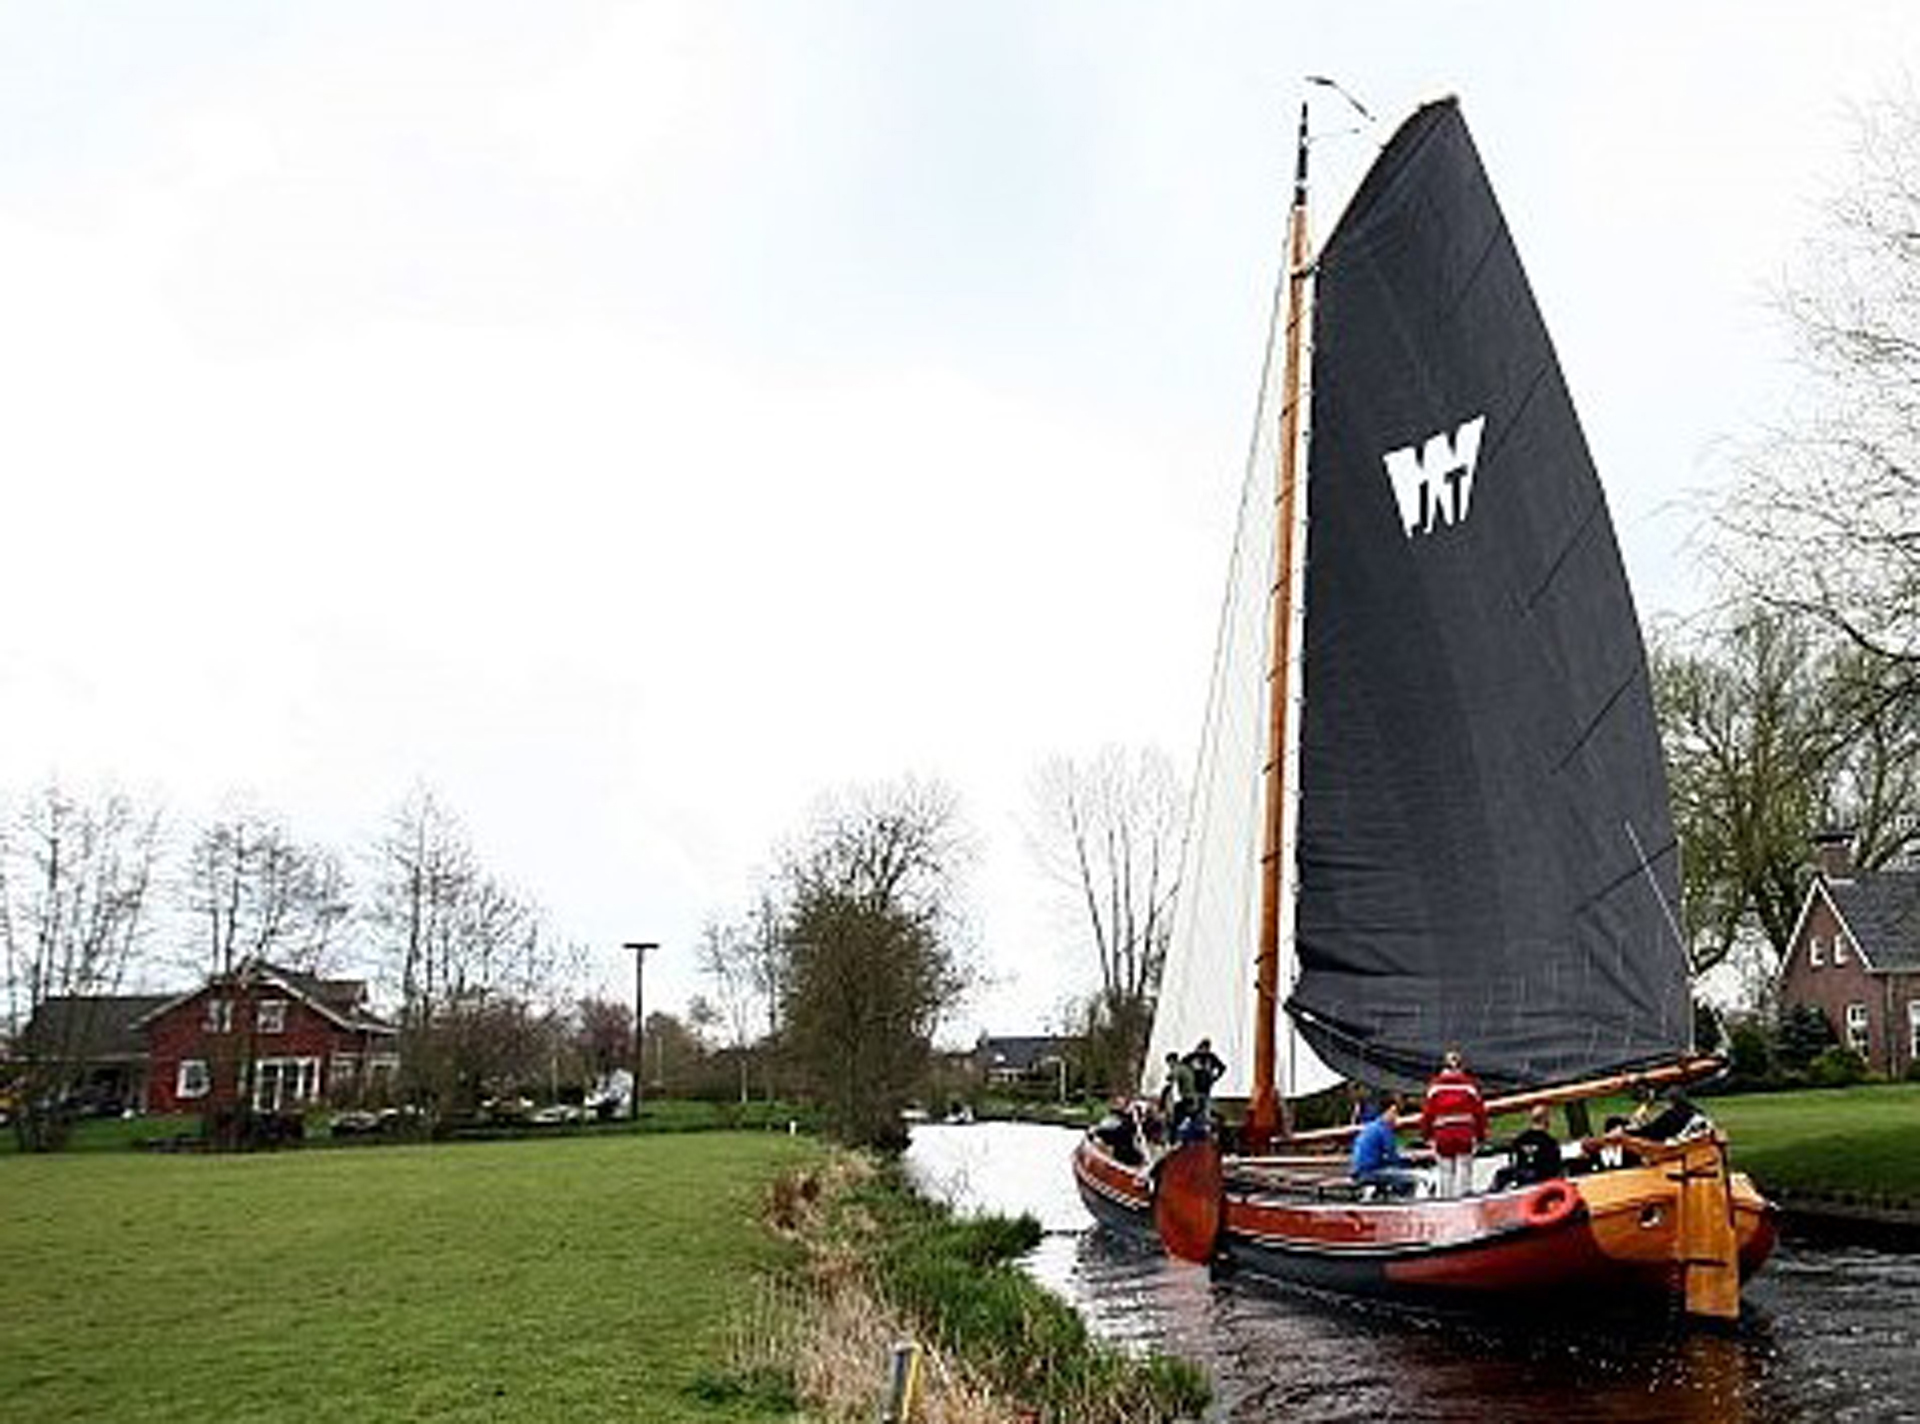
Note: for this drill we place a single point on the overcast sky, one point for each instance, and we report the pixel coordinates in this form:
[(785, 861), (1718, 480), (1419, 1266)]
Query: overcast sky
[(633, 421)]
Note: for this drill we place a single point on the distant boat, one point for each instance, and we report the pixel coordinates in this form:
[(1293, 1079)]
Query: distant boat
[(1432, 808)]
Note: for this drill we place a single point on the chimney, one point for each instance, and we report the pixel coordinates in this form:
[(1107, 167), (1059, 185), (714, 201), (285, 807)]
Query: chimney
[(1833, 854)]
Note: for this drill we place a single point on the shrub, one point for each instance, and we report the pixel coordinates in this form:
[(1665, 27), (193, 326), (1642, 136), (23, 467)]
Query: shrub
[(1750, 1053), (1838, 1068), (1805, 1033)]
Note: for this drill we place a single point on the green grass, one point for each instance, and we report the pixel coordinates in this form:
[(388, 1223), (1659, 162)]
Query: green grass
[(1832, 1141), (580, 1278)]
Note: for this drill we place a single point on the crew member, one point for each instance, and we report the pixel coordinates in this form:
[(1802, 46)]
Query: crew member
[(1454, 1122)]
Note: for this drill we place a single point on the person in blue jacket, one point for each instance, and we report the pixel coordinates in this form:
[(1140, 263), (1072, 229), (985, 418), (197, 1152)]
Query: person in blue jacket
[(1376, 1159)]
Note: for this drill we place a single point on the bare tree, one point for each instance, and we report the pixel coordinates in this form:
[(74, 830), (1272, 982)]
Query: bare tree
[(603, 1037), (1108, 835), (259, 894), (1824, 516), (726, 958), (744, 960), (426, 868), (75, 881), (477, 969)]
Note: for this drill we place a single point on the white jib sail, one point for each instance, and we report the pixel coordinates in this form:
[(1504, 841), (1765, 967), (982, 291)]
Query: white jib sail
[(1207, 984)]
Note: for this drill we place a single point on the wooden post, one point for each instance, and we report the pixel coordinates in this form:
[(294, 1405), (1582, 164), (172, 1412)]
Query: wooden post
[(903, 1385)]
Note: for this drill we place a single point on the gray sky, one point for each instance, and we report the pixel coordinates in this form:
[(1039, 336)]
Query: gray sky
[(635, 420)]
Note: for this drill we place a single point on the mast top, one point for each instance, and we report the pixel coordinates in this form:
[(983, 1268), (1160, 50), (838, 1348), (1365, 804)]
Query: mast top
[(1300, 161)]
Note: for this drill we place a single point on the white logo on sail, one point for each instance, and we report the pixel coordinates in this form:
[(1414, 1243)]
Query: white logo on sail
[(1434, 485)]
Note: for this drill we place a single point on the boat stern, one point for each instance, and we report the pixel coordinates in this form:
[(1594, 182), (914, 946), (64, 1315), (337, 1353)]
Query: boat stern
[(1682, 1218)]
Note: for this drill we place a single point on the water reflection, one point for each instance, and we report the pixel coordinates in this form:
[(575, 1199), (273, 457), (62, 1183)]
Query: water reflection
[(1827, 1334)]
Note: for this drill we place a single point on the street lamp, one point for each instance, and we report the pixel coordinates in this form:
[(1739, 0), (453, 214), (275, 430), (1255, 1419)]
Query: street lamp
[(639, 948)]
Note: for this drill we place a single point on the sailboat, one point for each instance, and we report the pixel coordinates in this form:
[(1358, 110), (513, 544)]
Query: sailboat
[(1431, 809)]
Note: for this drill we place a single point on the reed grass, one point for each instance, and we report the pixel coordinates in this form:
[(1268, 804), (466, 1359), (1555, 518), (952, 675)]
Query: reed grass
[(882, 1263)]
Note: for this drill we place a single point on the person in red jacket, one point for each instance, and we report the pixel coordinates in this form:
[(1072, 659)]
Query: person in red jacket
[(1454, 1122)]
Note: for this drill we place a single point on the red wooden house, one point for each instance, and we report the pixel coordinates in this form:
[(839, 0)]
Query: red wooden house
[(1855, 955), (272, 1037)]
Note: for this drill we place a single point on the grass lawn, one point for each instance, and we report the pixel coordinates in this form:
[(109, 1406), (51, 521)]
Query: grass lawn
[(1862, 1141), (580, 1278)]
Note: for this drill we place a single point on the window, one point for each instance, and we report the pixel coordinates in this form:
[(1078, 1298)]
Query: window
[(1857, 1029), (1816, 951), (1839, 949), (282, 1082), (219, 1016), (273, 1016), (192, 1080), (1913, 1030)]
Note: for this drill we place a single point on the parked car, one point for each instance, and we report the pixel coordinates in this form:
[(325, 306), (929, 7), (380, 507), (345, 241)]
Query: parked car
[(355, 1124)]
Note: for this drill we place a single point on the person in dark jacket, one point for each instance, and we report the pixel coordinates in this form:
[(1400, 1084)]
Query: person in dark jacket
[(1176, 1094), (1207, 1069), (1610, 1148), (1534, 1155), (1120, 1130)]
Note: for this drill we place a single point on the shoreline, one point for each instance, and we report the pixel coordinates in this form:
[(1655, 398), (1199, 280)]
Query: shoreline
[(1843, 1219)]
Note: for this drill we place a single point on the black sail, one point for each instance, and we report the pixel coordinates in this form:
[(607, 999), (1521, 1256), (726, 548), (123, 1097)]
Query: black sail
[(1486, 856)]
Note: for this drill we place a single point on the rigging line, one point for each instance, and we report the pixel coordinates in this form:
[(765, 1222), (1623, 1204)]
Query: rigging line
[(1326, 83), (1597, 720), (1673, 923)]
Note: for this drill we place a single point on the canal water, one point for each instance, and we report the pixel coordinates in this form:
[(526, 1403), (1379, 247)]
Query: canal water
[(1828, 1333)]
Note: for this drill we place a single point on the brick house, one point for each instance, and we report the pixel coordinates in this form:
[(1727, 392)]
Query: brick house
[(280, 1038), (1855, 955)]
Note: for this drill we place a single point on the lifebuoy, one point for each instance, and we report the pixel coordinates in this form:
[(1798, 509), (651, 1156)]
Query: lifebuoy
[(1549, 1204)]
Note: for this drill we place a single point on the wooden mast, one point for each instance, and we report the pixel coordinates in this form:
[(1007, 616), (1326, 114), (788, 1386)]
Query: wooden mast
[(1264, 1110)]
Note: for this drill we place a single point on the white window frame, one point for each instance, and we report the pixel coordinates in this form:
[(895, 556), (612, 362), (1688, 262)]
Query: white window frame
[(271, 1016), (1839, 948), (1913, 1030), (191, 1079), (293, 1081), (1859, 1029), (219, 1016), (1816, 952)]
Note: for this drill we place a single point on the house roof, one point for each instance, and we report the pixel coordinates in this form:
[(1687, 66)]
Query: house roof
[(1882, 912), (97, 1029), (339, 999)]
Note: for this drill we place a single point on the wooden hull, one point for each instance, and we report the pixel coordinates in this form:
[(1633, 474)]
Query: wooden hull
[(1603, 1239)]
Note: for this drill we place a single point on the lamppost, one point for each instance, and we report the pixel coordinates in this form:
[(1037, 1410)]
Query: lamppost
[(639, 948)]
